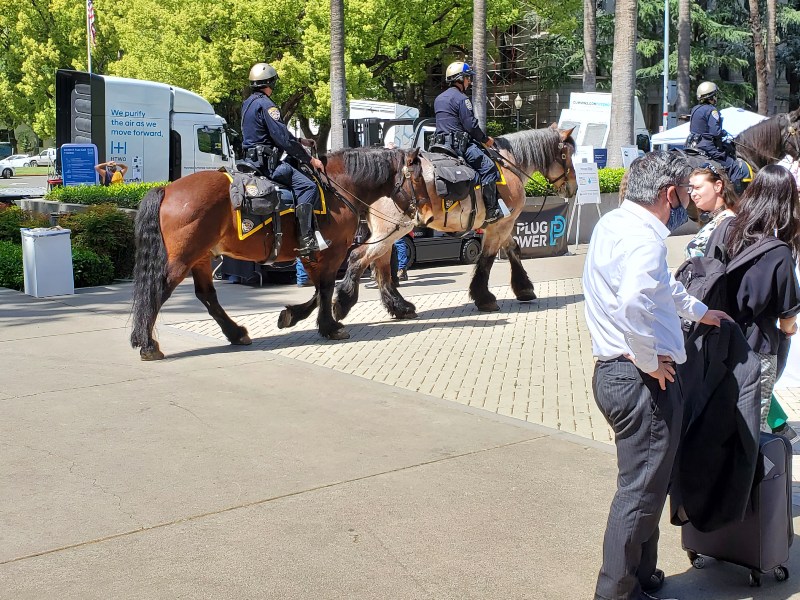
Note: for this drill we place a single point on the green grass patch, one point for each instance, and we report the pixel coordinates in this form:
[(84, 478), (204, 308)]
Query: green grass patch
[(609, 183), (31, 171)]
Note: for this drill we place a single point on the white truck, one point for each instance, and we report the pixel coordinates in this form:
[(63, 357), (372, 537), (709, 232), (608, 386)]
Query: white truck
[(590, 114), (161, 132)]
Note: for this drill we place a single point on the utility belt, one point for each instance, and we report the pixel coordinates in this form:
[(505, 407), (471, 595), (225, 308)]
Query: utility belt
[(457, 140), (265, 156)]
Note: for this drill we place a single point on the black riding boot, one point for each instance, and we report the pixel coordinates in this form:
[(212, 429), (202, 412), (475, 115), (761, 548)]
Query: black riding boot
[(306, 240), (493, 212)]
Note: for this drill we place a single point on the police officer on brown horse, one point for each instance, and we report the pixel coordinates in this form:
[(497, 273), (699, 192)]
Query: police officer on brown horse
[(265, 138), (457, 127)]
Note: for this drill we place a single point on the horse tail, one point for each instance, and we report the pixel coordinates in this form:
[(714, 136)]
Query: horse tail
[(150, 269)]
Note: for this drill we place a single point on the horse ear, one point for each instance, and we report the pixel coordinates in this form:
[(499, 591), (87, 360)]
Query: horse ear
[(412, 156), (553, 125), (566, 133)]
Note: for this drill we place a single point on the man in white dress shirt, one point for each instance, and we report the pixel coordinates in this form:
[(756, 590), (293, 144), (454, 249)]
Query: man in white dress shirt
[(632, 310)]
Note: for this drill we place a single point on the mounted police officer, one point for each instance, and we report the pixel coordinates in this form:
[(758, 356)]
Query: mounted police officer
[(457, 127), (706, 130), (266, 137)]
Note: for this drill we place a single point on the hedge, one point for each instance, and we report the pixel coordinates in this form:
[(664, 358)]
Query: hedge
[(124, 195), (106, 231), (88, 268), (13, 217), (610, 180)]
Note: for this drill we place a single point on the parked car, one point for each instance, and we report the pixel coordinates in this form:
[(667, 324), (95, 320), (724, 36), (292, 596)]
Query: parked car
[(17, 161), (7, 171), (428, 245), (45, 158)]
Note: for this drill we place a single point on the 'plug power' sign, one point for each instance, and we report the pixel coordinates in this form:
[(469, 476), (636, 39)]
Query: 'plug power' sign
[(542, 232)]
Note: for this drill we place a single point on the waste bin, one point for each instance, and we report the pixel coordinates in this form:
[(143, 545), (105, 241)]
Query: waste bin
[(47, 262)]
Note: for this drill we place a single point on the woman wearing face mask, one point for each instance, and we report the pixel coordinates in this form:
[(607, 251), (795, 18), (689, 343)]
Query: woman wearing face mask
[(712, 194), (764, 296)]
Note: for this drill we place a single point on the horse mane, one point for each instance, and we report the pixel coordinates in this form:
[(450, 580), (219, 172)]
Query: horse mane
[(532, 148), (373, 164), (763, 140)]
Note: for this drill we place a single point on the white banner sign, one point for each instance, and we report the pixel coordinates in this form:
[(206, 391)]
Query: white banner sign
[(629, 154), (583, 154), (588, 183)]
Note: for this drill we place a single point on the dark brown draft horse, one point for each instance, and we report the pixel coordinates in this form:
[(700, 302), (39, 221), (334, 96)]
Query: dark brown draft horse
[(548, 151), (181, 227)]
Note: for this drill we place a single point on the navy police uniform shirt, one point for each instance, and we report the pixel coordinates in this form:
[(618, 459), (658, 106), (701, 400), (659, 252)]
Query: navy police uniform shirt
[(706, 121), (454, 114), (262, 125)]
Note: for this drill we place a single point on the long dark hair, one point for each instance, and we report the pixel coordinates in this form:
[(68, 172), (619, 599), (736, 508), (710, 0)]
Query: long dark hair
[(768, 206)]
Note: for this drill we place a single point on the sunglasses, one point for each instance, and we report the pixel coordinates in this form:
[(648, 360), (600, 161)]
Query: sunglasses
[(712, 168)]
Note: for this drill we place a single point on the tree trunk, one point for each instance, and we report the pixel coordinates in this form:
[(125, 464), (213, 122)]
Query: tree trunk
[(772, 75), (761, 61), (623, 80), (683, 101), (589, 45), (479, 61), (338, 80)]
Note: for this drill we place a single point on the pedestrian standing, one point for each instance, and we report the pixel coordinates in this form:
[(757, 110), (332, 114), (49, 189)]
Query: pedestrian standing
[(633, 310)]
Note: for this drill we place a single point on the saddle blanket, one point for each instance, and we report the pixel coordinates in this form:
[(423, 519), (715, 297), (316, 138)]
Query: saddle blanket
[(256, 200)]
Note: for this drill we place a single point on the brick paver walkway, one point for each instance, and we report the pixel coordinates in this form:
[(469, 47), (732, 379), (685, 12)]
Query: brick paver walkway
[(531, 361)]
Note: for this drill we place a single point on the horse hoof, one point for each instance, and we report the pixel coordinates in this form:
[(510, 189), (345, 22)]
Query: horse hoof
[(242, 341), (339, 334), (151, 355), (285, 319), (526, 295), (407, 316), (488, 307)]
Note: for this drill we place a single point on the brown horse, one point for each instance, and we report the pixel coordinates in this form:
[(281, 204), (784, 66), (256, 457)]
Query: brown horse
[(181, 227), (548, 151)]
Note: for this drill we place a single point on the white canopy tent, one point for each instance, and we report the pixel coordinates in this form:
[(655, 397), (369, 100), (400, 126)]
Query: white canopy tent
[(734, 120)]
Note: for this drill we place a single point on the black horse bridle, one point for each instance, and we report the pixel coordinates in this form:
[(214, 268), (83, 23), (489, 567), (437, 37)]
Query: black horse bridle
[(565, 169)]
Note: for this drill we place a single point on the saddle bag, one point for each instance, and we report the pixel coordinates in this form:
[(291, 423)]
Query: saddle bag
[(254, 194), (453, 177)]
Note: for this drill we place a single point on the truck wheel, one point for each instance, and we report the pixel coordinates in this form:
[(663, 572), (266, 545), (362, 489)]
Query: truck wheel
[(6, 173), (470, 251), (411, 251)]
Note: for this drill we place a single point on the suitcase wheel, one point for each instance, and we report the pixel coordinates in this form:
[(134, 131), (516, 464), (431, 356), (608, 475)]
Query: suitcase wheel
[(755, 579), (698, 562), (781, 573)]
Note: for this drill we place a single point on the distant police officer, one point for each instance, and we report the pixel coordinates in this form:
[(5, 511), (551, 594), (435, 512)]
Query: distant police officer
[(266, 137), (457, 127), (706, 130)]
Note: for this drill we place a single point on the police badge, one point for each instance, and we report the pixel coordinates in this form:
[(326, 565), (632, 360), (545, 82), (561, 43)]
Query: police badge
[(274, 112), (247, 225)]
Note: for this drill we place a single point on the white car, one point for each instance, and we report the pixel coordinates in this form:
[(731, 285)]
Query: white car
[(18, 160), (45, 158), (6, 170)]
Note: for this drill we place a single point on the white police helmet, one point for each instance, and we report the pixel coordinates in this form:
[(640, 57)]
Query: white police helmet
[(707, 90), (262, 75), (457, 71)]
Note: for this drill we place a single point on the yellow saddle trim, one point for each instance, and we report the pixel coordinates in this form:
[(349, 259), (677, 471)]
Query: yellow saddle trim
[(749, 178), (502, 181), (244, 235)]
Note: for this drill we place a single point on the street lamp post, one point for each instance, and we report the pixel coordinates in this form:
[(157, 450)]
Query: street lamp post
[(518, 106)]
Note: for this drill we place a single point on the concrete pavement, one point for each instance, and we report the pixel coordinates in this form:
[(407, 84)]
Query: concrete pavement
[(261, 473)]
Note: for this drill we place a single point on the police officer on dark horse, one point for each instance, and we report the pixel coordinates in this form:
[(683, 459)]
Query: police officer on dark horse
[(266, 138), (707, 133), (457, 127)]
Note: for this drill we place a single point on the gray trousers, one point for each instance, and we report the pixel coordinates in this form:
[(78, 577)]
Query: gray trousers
[(647, 424)]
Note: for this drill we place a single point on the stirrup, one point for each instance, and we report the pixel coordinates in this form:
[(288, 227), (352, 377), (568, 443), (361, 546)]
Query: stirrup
[(309, 246), (494, 216)]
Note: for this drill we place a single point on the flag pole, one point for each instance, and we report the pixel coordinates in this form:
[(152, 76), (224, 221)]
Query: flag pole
[(88, 38)]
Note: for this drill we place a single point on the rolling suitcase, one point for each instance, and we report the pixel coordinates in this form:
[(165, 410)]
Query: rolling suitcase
[(761, 541)]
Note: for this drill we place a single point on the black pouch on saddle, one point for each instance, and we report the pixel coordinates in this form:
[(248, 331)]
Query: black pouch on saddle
[(254, 194), (453, 176)]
